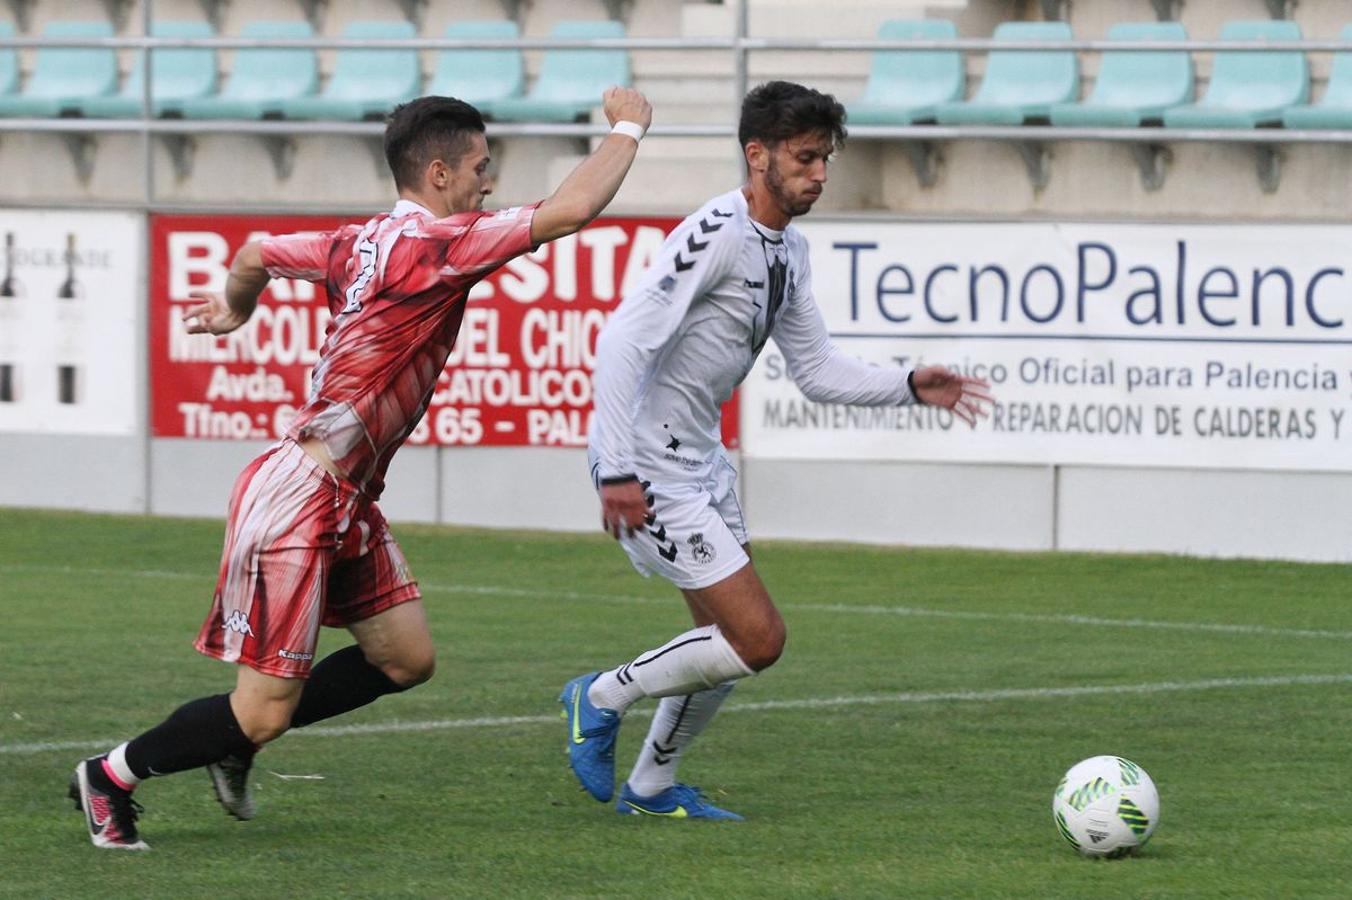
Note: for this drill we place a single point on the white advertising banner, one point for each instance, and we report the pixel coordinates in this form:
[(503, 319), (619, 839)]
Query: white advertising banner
[(1193, 346), (69, 288)]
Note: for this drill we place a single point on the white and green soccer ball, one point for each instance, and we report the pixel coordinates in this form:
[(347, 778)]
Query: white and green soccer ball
[(1106, 806)]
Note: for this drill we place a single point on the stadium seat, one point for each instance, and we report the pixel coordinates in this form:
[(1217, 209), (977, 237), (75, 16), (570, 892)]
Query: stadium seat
[(63, 77), (261, 79), (905, 85), (9, 62), (571, 81), (365, 83), (1249, 87), (1334, 109), (1019, 85), (176, 75), (479, 77), (1134, 86)]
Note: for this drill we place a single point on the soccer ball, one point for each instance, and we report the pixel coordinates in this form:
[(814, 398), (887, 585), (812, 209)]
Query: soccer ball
[(1106, 806)]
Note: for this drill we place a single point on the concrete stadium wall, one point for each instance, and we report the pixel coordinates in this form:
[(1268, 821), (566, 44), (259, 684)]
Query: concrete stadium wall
[(1265, 515), (1286, 515), (88, 472)]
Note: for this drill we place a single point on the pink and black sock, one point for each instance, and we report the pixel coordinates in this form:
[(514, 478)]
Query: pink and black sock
[(199, 732)]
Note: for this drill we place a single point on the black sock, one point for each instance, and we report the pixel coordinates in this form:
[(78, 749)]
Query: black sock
[(341, 682), (197, 733)]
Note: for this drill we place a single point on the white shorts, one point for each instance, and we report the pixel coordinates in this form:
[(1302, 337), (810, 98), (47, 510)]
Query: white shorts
[(697, 534)]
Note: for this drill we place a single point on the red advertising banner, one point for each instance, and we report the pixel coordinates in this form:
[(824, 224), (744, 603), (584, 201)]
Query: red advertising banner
[(520, 373)]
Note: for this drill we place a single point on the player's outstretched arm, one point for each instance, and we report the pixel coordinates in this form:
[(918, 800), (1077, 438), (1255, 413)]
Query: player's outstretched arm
[(218, 314), (591, 186), (967, 397)]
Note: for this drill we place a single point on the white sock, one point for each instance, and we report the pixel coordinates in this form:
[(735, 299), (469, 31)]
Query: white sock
[(690, 662), (117, 761), (676, 724)]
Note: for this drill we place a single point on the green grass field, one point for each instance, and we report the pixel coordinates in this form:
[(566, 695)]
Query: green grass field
[(954, 688)]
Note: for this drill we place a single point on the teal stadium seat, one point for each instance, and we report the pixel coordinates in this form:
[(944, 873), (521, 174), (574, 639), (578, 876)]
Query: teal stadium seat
[(1249, 87), (904, 86), (1334, 109), (261, 79), (480, 77), (571, 81), (1020, 85), (9, 62), (1134, 87), (63, 77), (176, 75), (365, 84)]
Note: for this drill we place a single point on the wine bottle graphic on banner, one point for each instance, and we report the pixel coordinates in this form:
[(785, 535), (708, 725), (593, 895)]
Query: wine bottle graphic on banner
[(70, 332), (11, 321)]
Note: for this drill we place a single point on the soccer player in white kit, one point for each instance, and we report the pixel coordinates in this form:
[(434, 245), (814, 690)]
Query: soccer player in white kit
[(731, 276)]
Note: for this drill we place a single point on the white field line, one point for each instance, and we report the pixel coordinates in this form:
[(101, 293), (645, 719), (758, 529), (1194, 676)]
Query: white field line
[(927, 613), (905, 697), (910, 611)]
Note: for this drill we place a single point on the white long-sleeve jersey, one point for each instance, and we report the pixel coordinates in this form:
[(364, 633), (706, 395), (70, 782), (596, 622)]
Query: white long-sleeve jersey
[(690, 330)]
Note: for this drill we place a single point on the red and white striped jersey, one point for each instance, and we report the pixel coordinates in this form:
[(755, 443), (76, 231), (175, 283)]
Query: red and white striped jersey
[(396, 288)]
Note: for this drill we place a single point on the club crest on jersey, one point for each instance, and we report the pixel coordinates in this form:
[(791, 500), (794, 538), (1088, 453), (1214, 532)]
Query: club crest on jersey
[(700, 551), (236, 622)]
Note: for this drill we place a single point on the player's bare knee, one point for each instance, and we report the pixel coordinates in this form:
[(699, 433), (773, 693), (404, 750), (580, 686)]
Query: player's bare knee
[(761, 647), (265, 722), (266, 734), (411, 671), (769, 647)]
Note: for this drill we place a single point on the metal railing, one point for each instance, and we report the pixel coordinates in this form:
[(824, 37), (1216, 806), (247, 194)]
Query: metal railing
[(1149, 143)]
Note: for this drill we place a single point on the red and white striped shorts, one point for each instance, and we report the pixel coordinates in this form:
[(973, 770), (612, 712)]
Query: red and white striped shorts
[(302, 549)]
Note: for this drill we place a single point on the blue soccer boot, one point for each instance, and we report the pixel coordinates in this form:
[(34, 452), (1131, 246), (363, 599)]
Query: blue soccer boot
[(680, 801), (591, 738)]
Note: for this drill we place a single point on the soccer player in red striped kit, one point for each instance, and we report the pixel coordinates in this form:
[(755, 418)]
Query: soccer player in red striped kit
[(305, 543)]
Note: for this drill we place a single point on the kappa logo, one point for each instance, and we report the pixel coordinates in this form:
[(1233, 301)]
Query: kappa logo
[(236, 622), (703, 553), (292, 654)]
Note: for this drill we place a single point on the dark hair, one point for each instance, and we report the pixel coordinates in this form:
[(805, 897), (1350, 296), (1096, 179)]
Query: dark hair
[(778, 110), (425, 129)]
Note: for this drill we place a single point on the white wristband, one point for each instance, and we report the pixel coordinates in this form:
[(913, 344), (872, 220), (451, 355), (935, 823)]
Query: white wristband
[(633, 129)]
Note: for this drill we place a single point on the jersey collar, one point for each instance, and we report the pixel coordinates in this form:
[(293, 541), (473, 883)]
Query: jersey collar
[(765, 231), (408, 208)]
